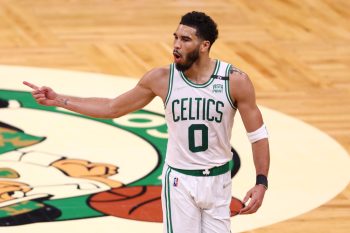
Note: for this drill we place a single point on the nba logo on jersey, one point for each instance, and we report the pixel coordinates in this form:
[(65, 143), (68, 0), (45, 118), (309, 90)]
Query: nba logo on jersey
[(176, 181), (217, 88)]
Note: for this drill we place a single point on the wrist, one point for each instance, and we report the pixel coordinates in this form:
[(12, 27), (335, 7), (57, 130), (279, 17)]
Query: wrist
[(262, 180), (62, 101)]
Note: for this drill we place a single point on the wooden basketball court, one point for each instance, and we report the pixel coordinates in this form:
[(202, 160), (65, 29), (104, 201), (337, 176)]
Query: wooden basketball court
[(297, 53)]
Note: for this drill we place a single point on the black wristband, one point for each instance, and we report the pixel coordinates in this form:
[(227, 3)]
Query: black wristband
[(262, 180)]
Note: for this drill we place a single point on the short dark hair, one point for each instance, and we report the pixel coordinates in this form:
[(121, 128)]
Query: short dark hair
[(205, 26)]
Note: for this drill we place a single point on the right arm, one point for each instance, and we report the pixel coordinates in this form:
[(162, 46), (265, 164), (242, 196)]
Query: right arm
[(130, 101)]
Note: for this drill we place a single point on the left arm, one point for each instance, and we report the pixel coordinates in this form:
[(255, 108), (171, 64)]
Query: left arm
[(242, 91)]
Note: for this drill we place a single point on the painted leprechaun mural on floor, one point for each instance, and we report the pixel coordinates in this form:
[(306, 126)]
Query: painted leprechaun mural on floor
[(45, 174)]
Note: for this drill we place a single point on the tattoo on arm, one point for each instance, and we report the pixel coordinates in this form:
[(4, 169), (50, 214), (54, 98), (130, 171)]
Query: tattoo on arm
[(234, 69), (63, 101)]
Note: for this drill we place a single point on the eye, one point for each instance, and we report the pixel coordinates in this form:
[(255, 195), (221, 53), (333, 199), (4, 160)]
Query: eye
[(16, 194), (11, 195)]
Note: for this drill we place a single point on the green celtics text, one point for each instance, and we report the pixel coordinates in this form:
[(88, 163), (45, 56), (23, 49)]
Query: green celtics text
[(197, 109)]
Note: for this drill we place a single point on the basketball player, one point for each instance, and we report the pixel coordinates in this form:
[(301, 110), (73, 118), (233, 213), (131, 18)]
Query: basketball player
[(201, 96)]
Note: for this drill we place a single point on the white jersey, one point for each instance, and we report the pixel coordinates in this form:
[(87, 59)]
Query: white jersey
[(199, 119)]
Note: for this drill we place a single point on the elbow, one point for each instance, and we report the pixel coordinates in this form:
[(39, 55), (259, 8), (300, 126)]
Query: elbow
[(113, 111), (114, 115)]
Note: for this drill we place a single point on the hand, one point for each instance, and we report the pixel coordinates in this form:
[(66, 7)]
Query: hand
[(256, 196), (84, 168), (43, 95), (88, 170)]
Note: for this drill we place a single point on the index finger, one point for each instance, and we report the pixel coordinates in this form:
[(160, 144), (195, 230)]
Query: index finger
[(30, 85)]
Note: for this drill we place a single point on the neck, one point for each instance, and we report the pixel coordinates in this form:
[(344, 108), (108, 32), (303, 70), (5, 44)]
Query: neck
[(201, 70)]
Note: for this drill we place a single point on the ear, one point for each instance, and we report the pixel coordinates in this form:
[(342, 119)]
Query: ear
[(205, 45)]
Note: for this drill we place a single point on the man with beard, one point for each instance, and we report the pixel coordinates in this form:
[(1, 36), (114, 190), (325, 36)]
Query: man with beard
[(201, 96)]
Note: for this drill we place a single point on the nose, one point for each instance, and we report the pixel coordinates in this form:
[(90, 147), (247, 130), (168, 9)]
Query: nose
[(177, 44)]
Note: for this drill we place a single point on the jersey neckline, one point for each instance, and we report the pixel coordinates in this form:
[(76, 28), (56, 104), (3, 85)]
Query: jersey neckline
[(207, 83)]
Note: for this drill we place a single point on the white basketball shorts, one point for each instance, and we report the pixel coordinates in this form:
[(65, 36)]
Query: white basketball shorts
[(195, 204)]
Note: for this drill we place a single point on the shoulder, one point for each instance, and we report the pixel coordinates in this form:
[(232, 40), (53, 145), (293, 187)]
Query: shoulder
[(239, 78), (158, 73), (240, 84), (156, 80)]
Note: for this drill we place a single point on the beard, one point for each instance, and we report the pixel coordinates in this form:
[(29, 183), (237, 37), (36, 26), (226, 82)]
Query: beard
[(190, 59)]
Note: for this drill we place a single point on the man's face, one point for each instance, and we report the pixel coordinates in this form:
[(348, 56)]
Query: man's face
[(186, 47), (11, 190)]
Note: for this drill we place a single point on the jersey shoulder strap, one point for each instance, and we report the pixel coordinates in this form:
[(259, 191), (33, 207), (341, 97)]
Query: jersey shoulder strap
[(223, 72)]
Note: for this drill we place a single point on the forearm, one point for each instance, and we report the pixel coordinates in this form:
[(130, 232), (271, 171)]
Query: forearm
[(94, 107), (261, 155)]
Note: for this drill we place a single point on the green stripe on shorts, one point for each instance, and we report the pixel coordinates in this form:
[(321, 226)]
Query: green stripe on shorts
[(167, 202)]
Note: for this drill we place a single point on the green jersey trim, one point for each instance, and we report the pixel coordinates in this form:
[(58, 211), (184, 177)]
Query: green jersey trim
[(168, 220), (170, 84), (211, 79), (232, 103)]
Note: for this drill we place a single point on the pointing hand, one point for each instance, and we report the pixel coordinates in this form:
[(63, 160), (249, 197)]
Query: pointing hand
[(43, 95)]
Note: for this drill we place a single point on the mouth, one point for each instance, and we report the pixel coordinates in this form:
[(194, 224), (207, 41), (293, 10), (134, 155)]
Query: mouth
[(177, 56)]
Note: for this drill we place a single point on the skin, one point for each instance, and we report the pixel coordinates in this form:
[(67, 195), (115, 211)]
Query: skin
[(87, 170), (155, 83), (10, 189)]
